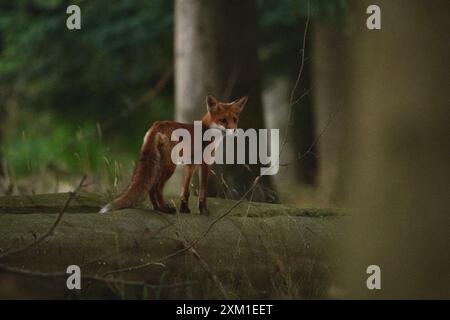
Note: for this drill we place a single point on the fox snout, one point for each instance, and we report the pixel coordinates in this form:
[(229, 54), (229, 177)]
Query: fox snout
[(225, 131)]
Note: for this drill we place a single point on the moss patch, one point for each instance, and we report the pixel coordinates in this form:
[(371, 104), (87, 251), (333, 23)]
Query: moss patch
[(85, 202), (51, 203)]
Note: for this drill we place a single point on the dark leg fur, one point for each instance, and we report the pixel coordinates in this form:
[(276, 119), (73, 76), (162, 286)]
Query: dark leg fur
[(162, 205), (203, 188), (187, 177), (184, 207)]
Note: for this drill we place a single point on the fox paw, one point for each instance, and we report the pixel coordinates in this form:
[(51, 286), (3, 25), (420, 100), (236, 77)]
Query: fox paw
[(203, 208), (168, 209), (184, 207)]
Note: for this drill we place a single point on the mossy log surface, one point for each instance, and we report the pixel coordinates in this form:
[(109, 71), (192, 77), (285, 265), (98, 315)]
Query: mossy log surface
[(259, 250)]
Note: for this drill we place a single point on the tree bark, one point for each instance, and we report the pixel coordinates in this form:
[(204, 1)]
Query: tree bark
[(2, 115), (397, 151), (216, 53), (330, 83)]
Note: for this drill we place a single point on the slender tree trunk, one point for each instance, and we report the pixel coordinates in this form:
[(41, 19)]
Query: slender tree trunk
[(197, 46), (3, 116), (330, 83), (216, 53), (303, 130)]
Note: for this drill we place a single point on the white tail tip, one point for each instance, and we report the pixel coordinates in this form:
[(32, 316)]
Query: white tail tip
[(106, 208)]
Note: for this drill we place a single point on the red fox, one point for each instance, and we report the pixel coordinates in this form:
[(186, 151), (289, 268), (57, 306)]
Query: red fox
[(155, 165)]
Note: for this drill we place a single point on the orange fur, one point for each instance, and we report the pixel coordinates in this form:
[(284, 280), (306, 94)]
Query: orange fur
[(155, 166)]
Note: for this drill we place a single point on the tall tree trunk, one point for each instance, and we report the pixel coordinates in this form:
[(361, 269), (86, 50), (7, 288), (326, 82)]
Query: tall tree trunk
[(216, 53), (303, 130), (3, 117), (398, 152), (197, 61), (330, 83)]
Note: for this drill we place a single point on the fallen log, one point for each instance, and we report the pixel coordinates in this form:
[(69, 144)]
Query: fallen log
[(257, 251)]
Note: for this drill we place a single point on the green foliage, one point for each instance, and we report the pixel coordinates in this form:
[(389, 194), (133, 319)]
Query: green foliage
[(48, 144), (64, 81), (121, 50)]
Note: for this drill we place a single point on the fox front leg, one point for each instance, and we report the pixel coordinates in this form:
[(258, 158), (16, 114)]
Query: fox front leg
[(188, 170), (204, 171)]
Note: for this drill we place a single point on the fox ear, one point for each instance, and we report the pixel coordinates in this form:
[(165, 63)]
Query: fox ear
[(212, 104), (240, 103)]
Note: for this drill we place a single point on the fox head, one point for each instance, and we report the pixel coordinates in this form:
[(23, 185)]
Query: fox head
[(224, 116)]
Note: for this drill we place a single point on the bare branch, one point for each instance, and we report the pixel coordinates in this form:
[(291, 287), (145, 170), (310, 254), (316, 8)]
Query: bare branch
[(297, 81), (207, 269), (132, 106), (52, 228), (110, 280), (193, 243), (322, 132)]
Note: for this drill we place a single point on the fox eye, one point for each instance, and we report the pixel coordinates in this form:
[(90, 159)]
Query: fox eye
[(223, 120), (235, 119)]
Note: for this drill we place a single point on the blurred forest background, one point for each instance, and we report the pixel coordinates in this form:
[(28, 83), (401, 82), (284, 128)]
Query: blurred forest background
[(80, 101), (369, 132)]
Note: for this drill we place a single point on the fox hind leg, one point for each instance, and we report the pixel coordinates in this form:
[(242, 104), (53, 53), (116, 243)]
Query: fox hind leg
[(162, 205), (153, 198), (153, 189), (188, 170), (204, 171)]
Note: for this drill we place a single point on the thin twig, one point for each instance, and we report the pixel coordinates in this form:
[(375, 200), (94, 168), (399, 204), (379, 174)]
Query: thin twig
[(131, 107), (322, 132), (316, 140), (206, 268), (54, 275), (52, 228), (297, 81), (193, 243)]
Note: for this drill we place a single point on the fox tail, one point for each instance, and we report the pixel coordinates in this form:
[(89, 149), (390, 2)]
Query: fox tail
[(143, 178)]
